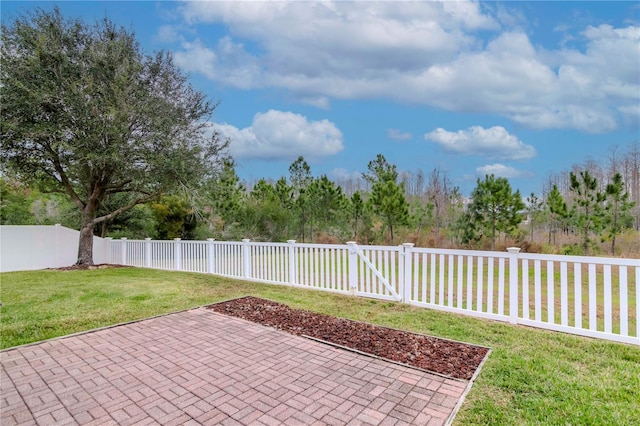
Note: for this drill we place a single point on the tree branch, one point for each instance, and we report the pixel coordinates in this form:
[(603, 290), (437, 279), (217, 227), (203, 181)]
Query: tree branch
[(64, 179), (123, 209)]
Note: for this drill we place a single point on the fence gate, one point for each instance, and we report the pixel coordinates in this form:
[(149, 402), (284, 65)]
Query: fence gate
[(373, 274)]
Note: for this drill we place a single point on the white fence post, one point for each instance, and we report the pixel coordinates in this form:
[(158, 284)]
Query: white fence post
[(246, 258), (406, 281), (56, 229), (353, 265), (147, 252), (123, 251), (177, 261), (513, 284), (292, 261), (210, 255)]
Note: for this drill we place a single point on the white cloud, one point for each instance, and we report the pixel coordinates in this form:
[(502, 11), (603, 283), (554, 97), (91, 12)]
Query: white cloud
[(227, 63), (426, 53), (500, 170), (279, 135), (631, 114), (398, 135), (494, 142), (352, 40), (169, 34), (198, 58), (321, 102)]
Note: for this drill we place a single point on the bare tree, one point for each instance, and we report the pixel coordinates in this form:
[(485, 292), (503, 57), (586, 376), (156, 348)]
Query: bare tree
[(439, 193), (633, 162)]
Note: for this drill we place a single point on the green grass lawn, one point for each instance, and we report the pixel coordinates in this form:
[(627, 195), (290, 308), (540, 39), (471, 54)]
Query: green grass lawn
[(532, 376)]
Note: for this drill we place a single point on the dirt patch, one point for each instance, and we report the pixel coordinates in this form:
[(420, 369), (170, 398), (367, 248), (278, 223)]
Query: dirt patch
[(446, 357), (89, 267)]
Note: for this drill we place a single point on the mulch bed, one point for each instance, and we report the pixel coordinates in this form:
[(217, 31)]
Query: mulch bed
[(449, 358)]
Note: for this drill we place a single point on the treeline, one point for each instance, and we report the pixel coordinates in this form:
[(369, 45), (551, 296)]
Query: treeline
[(581, 211)]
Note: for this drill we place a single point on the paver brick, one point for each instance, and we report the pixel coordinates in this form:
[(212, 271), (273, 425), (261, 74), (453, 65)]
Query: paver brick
[(199, 367)]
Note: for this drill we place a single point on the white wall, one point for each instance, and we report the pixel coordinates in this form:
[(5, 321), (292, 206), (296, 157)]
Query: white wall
[(30, 247)]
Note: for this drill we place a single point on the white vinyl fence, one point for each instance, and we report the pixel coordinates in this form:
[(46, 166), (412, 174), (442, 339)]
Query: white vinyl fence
[(589, 296), (32, 247)]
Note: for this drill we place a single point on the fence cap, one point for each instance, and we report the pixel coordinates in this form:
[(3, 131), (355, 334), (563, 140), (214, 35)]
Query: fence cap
[(514, 250)]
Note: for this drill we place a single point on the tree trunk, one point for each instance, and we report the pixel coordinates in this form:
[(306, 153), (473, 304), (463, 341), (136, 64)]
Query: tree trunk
[(355, 230), (614, 231), (493, 236), (613, 245), (531, 231), (85, 246)]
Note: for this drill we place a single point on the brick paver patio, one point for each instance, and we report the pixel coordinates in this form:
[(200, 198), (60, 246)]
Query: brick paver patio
[(200, 367)]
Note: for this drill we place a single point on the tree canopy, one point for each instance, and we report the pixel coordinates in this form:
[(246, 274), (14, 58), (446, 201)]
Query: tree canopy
[(86, 109)]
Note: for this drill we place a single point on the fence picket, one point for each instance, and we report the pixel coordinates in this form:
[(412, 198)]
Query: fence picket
[(469, 283), (593, 322), (490, 281), (460, 278), (624, 304), (525, 289), (450, 271), (538, 289), (564, 296), (501, 277), (441, 279), (577, 288), (480, 285), (433, 278), (607, 299), (550, 293)]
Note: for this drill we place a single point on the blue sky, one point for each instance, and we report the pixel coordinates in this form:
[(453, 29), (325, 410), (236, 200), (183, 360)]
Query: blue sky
[(519, 89)]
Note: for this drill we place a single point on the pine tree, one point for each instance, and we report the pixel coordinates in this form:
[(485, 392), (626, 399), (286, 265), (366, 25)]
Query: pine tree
[(387, 200), (558, 212), (587, 208), (494, 207), (618, 209)]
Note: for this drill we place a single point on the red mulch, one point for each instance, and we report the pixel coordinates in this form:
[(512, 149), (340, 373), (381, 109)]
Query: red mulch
[(446, 357)]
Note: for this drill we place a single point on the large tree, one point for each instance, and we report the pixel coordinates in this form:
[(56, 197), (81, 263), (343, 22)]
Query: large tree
[(84, 107), (494, 207)]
